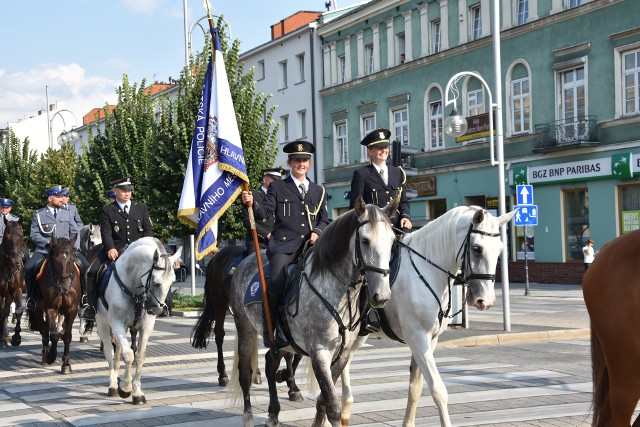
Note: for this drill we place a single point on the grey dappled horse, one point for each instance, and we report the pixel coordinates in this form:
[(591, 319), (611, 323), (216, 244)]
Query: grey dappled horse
[(135, 295), (462, 245), (89, 237), (353, 251)]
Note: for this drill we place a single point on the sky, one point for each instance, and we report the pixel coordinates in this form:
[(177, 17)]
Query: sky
[(78, 50)]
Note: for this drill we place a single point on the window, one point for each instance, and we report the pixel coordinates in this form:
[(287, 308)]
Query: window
[(629, 201), (437, 207), (401, 125), (342, 66), (522, 12), (302, 123), (631, 82), (368, 58), (436, 140), (576, 211), (284, 120), (475, 102), (436, 40), (573, 105), (574, 3), (260, 70), (342, 143), (283, 75), (476, 22), (400, 48), (520, 106), (300, 62), (367, 125)]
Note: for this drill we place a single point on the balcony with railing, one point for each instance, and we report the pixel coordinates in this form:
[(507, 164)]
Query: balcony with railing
[(564, 134)]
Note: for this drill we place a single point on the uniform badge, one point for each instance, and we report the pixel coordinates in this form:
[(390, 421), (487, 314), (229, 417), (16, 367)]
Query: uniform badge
[(116, 228), (299, 147), (381, 135)]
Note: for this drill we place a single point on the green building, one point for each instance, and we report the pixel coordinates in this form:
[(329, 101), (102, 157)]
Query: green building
[(570, 72)]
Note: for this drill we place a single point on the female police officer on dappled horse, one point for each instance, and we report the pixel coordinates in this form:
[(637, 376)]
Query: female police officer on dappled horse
[(300, 209)]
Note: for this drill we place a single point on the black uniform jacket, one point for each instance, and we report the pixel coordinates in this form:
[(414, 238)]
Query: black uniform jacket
[(295, 218), (119, 230), (368, 183), (264, 226)]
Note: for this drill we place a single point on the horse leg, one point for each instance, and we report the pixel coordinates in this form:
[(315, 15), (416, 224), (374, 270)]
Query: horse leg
[(52, 336), (416, 381), (124, 348), (289, 375), (347, 396), (246, 352), (137, 394), (218, 330), (66, 338), (272, 363), (104, 332), (134, 340), (4, 318), (326, 374), (16, 339)]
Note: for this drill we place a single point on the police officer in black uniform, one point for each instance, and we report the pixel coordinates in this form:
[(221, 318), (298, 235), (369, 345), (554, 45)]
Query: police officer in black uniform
[(264, 226), (5, 211), (300, 209), (378, 184), (53, 219), (121, 223)]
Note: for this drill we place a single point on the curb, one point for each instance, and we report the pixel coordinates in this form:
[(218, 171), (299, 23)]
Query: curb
[(516, 338), (178, 313)]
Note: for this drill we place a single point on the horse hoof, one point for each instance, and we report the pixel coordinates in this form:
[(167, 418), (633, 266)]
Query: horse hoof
[(112, 392), (257, 379), (16, 340), (223, 381), (295, 396), (65, 370), (84, 339), (139, 400), (123, 394)]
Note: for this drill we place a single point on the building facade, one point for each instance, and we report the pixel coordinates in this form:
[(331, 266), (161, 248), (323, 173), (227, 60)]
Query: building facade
[(570, 72)]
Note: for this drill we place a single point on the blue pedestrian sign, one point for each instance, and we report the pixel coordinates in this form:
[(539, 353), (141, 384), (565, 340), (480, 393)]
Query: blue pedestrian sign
[(524, 194), (526, 215)]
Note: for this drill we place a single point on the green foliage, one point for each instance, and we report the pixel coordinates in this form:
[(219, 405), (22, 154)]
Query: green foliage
[(187, 302)]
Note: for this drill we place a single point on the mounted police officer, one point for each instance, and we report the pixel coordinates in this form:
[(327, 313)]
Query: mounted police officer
[(300, 209), (111, 196), (264, 227), (378, 184), (73, 209), (51, 220), (5, 210), (121, 223)]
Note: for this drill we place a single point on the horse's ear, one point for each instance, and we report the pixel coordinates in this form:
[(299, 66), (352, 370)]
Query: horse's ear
[(20, 221), (175, 256), (392, 207), (156, 256), (360, 206), (503, 219), (478, 217)]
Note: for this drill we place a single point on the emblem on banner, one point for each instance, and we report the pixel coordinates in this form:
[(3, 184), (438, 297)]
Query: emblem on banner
[(211, 150)]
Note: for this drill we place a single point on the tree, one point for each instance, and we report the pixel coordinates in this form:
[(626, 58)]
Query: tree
[(17, 166)]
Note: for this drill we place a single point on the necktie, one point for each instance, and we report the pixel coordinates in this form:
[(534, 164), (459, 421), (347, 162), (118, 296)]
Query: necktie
[(302, 190), (126, 210), (55, 213), (382, 176)]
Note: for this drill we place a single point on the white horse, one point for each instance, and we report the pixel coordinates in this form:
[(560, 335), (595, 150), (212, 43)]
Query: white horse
[(351, 256), (135, 295), (462, 245), (89, 237)]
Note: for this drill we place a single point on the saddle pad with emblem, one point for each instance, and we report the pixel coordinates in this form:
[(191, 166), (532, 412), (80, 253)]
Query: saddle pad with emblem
[(254, 291)]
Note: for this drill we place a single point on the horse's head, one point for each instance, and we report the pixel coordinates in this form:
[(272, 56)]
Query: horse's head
[(372, 244), (159, 282), (60, 259), (479, 251), (12, 240)]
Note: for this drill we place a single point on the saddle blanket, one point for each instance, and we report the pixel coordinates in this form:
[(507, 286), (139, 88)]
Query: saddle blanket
[(234, 264), (43, 267), (254, 291)]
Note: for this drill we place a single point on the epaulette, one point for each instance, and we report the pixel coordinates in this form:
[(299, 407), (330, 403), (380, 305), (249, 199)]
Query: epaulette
[(12, 217)]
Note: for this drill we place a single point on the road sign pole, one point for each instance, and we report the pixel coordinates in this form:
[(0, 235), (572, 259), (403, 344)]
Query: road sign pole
[(526, 265)]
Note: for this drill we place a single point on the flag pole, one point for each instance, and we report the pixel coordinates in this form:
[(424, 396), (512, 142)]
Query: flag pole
[(252, 221)]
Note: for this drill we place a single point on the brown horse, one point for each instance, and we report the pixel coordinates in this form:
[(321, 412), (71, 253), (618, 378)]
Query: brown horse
[(216, 304), (11, 279), (57, 292), (611, 288)]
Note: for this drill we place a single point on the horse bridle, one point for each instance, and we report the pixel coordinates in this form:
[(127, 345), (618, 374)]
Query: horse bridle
[(459, 278), (15, 266), (57, 278)]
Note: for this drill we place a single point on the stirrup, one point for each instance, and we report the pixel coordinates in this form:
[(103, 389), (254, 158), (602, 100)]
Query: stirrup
[(31, 304), (372, 321), (84, 301), (88, 312)]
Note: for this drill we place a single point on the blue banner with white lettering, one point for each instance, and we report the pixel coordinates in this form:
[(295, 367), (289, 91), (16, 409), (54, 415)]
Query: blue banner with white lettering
[(216, 169)]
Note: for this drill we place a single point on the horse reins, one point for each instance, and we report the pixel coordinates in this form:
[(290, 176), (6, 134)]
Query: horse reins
[(459, 278), (15, 266)]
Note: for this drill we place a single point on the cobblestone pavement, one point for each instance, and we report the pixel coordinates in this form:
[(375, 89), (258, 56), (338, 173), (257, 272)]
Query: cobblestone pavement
[(537, 374)]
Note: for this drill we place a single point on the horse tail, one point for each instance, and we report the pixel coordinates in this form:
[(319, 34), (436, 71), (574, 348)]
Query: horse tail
[(600, 375), (235, 397), (202, 330)]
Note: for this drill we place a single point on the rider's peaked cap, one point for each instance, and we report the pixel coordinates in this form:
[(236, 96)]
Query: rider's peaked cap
[(377, 138), (125, 183), (111, 193), (273, 172), (56, 190), (65, 192), (299, 149), (6, 202)]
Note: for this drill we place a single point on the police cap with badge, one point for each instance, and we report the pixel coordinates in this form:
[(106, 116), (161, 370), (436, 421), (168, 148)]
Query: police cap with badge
[(125, 183), (56, 190), (275, 173), (377, 138), (299, 149), (6, 203), (111, 194), (65, 192)]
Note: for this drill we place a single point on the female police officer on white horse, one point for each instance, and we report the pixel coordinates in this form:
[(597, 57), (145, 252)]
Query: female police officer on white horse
[(300, 209)]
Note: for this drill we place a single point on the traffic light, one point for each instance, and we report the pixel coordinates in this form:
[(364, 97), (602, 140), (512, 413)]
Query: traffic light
[(401, 156)]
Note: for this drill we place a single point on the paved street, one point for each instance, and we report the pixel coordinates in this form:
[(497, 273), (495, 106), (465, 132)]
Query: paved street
[(532, 376)]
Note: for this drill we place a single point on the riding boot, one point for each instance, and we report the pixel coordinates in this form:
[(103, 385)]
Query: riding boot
[(89, 312), (31, 300)]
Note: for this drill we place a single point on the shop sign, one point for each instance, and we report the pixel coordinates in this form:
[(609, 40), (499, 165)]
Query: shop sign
[(424, 185), (478, 127), (630, 221)]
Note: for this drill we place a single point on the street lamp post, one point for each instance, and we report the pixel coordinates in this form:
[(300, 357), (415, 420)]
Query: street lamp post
[(455, 125), (65, 136)]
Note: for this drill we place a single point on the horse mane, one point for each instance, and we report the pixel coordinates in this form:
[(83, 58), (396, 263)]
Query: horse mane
[(332, 247), (152, 243), (437, 233)]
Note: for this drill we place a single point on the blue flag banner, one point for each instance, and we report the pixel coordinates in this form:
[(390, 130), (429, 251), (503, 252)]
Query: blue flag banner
[(216, 169)]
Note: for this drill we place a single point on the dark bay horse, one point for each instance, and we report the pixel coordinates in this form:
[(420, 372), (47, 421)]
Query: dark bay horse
[(57, 292), (611, 288), (216, 304), (11, 279)]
